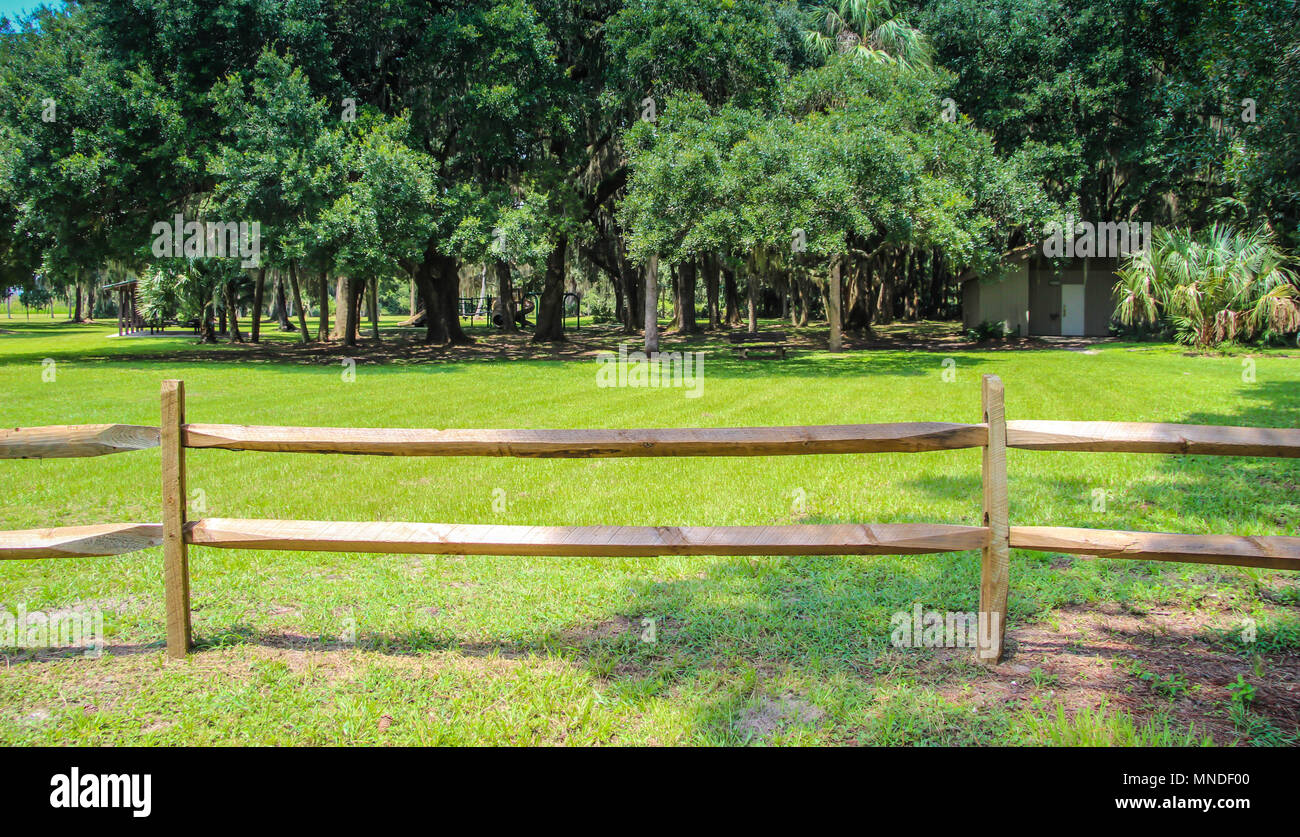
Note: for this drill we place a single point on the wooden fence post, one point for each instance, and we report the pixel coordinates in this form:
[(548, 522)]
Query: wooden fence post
[(176, 564), (995, 565)]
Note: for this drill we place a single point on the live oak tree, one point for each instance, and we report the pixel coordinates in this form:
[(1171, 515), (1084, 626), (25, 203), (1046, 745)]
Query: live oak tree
[(279, 160), (384, 213), (854, 166), (89, 151), (720, 53)]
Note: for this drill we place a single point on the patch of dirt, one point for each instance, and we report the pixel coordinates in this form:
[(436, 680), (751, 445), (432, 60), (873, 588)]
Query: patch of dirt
[(1143, 663), (619, 626), (771, 715), (609, 629)]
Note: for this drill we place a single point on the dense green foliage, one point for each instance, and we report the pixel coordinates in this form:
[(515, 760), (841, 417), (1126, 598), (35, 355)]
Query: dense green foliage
[(1212, 287), (562, 143)]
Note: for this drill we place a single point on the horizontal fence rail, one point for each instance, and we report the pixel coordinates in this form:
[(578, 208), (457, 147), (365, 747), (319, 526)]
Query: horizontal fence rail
[(1275, 552), (993, 435), (75, 440), (1136, 437), (722, 441), (66, 441), (80, 541), (587, 541)]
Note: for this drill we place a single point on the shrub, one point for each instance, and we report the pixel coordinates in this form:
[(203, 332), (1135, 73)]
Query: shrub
[(1217, 285), (987, 330)]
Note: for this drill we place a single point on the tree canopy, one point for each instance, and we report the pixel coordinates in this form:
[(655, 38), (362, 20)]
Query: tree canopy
[(409, 140)]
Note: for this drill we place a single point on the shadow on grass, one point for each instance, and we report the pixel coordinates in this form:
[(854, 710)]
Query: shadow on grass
[(724, 637), (15, 657), (902, 354), (1246, 489)]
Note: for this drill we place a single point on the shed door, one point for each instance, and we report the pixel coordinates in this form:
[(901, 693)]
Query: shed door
[(1072, 310)]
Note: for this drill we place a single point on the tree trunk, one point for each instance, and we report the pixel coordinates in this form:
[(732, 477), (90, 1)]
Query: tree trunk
[(350, 303), (808, 293), (885, 298), (297, 301), (359, 304), (323, 317), (620, 299), (446, 279), (834, 299), (752, 294), (281, 306), (732, 295), (435, 324), (341, 296), (435, 329), (279, 310), (857, 315), (796, 297), (505, 297), (550, 311), (258, 289), (675, 295), (652, 305), (374, 308), (869, 269), (686, 273), (710, 266), (230, 293), (936, 287), (415, 299), (634, 295), (207, 331)]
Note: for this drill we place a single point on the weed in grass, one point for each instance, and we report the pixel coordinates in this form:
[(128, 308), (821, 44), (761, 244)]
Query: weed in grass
[(1171, 686), (1102, 728), (1268, 634), (1257, 729), (1042, 679)]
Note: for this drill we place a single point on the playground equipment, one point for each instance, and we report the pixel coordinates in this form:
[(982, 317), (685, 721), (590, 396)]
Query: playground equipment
[(525, 304)]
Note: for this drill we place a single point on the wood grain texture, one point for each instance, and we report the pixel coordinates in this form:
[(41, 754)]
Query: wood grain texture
[(1272, 552), (77, 541), (592, 541), (995, 563), (1138, 437), (725, 441), (72, 440), (176, 564)]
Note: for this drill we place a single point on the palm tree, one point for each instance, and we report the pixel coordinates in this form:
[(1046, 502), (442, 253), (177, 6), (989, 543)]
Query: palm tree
[(1212, 286), (866, 29)]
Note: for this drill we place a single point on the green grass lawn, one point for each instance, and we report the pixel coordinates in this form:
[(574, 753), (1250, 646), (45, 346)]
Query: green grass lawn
[(546, 650)]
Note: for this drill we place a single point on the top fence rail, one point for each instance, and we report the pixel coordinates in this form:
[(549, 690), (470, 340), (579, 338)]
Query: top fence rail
[(63, 441)]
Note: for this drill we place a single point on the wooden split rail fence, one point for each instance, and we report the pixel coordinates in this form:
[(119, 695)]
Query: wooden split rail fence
[(994, 537)]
